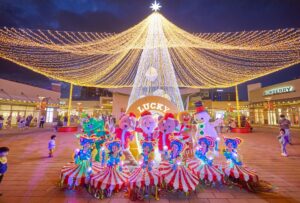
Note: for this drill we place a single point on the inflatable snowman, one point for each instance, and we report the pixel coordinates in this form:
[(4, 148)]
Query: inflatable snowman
[(204, 127)]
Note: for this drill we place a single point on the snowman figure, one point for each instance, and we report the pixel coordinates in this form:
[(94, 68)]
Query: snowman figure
[(204, 127)]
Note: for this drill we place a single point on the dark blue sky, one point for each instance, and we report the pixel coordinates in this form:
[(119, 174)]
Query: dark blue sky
[(118, 15)]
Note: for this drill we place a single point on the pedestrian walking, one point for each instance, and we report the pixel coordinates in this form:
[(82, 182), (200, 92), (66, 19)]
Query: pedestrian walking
[(65, 120), (42, 121), (51, 145), (283, 140), (1, 122), (3, 162), (8, 122), (285, 124), (28, 121)]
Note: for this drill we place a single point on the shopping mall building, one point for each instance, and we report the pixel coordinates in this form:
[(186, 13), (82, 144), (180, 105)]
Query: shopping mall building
[(19, 99), (266, 104)]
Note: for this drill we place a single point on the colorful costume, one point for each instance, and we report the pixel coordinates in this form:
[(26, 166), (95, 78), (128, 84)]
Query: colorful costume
[(174, 173), (235, 167), (237, 173), (93, 127), (78, 173), (166, 128), (145, 178), (202, 165), (124, 134), (147, 126), (204, 126), (114, 176)]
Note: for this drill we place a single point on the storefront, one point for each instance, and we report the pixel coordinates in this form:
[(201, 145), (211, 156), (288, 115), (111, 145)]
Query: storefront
[(103, 106), (268, 103), (22, 100), (221, 109)]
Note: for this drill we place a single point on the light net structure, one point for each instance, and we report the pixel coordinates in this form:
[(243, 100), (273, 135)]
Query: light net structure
[(155, 73), (155, 54)]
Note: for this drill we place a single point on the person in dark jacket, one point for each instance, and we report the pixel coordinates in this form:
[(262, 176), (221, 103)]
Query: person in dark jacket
[(3, 162)]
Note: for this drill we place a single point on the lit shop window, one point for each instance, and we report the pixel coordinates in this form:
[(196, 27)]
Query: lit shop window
[(49, 117)]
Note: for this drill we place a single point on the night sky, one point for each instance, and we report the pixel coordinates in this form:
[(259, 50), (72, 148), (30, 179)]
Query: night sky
[(118, 15)]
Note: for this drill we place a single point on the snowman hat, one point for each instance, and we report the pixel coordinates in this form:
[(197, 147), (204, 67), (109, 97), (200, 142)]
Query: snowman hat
[(199, 107), (234, 141)]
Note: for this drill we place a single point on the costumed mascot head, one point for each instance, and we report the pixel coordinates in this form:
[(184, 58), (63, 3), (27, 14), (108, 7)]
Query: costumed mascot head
[(205, 143), (201, 115), (167, 124), (204, 127), (176, 146), (147, 146), (127, 122), (87, 141), (147, 122), (113, 146), (232, 143), (184, 117)]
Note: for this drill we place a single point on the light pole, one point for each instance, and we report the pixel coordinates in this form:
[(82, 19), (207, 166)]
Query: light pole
[(70, 105), (41, 98), (237, 106)]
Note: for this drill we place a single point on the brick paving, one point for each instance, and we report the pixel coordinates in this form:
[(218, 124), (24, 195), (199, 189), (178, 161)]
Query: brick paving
[(32, 177)]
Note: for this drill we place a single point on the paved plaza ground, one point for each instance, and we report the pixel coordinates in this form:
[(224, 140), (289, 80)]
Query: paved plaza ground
[(33, 177)]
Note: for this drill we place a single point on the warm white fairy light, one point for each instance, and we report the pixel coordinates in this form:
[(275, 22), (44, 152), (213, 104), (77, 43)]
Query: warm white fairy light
[(205, 60), (156, 59)]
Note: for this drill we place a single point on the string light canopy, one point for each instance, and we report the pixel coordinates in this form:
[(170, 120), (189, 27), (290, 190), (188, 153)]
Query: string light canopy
[(108, 60)]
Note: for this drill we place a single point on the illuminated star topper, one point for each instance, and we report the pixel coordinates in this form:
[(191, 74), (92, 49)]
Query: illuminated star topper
[(155, 6)]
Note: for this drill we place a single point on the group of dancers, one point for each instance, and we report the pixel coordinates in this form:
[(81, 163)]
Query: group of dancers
[(105, 164)]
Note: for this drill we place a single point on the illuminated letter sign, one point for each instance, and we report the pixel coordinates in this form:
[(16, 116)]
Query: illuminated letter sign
[(279, 90), (152, 103)]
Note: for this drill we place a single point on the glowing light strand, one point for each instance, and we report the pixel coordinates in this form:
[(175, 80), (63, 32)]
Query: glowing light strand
[(109, 60)]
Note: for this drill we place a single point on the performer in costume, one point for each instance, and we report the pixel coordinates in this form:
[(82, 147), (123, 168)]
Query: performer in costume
[(203, 165), (114, 176), (124, 134), (186, 130), (204, 126), (144, 180), (166, 129), (238, 174), (175, 175), (78, 173), (147, 126)]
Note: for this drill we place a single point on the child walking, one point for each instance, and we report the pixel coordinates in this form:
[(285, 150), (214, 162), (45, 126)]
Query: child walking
[(3, 162), (283, 140), (51, 145)]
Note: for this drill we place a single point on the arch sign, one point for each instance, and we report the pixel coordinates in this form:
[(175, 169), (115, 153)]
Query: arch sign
[(157, 104)]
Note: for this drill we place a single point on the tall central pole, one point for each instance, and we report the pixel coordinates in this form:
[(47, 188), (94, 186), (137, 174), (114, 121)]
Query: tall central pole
[(237, 106), (70, 104)]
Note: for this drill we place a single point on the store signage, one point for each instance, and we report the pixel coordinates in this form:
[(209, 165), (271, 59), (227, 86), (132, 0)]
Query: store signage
[(279, 90)]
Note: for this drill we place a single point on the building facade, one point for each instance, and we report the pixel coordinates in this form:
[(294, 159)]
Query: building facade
[(102, 106), (22, 100), (266, 104), (221, 109)]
